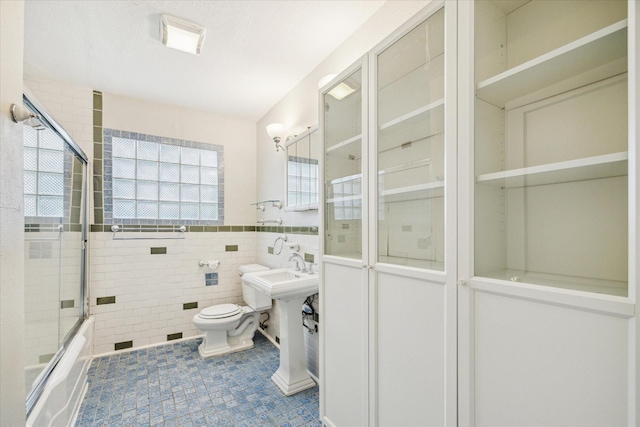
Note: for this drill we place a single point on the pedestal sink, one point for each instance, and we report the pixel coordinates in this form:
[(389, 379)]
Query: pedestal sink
[(290, 288)]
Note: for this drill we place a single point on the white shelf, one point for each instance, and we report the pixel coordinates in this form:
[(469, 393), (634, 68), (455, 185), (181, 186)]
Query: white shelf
[(406, 166), (586, 284), (605, 166), (345, 198), (413, 117), (413, 192), (344, 143), (584, 54)]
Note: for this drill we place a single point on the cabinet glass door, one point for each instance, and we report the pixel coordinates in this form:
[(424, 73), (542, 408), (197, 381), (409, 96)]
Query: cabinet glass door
[(343, 167), (410, 147), (551, 144)]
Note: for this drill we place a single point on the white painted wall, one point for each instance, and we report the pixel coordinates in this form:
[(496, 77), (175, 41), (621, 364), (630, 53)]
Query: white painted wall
[(12, 388), (237, 136)]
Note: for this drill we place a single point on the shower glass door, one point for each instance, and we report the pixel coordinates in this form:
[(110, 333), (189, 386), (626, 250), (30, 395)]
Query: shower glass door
[(54, 210)]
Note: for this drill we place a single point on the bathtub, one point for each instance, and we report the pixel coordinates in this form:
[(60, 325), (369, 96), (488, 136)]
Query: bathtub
[(60, 400)]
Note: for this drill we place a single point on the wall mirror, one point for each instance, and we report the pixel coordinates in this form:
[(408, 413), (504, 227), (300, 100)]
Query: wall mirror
[(303, 153)]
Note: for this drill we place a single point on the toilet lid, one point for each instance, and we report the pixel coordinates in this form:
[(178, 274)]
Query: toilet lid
[(220, 311)]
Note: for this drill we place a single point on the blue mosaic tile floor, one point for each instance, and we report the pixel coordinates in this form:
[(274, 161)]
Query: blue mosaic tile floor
[(171, 385)]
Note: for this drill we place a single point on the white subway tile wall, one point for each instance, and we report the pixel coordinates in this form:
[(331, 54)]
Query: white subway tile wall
[(150, 289)]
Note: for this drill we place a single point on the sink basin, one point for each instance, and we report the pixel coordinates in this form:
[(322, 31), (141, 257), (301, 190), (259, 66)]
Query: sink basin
[(283, 283)]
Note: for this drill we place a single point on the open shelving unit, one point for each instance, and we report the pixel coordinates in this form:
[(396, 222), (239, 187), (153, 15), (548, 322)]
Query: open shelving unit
[(543, 109)]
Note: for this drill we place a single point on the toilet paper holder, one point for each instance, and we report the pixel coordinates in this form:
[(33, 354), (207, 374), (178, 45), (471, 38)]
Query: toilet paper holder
[(210, 264)]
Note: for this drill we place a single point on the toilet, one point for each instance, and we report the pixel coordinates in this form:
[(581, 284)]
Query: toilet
[(230, 327)]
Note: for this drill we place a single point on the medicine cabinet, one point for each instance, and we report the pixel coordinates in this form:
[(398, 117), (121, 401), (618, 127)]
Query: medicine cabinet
[(303, 154)]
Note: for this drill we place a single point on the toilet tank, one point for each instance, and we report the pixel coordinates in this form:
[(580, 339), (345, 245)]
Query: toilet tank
[(252, 297)]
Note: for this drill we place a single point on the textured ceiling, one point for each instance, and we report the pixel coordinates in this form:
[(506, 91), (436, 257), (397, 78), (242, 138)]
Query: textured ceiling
[(253, 54)]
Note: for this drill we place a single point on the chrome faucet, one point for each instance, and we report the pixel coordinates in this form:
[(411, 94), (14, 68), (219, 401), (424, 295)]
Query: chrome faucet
[(295, 256)]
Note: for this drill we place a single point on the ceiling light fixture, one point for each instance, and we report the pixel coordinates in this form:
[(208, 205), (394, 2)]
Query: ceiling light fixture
[(275, 131), (341, 91), (178, 33)]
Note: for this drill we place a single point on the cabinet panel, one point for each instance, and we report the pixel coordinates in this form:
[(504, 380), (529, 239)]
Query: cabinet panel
[(541, 365), (410, 356), (344, 298)]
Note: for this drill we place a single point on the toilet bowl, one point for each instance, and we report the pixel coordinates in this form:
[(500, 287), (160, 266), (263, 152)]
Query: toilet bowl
[(230, 327)]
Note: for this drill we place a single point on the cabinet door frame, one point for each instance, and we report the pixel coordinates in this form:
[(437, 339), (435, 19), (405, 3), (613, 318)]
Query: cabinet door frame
[(448, 277), (634, 208), (362, 65)]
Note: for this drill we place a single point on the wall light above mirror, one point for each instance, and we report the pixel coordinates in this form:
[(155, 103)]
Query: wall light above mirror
[(275, 132)]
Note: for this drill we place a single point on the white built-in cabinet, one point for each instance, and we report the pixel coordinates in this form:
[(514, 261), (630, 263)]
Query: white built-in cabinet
[(547, 226), (480, 229), (388, 353)]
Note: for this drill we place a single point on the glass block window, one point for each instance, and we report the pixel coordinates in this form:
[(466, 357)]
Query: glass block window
[(302, 185), (347, 197), (156, 180), (44, 174)]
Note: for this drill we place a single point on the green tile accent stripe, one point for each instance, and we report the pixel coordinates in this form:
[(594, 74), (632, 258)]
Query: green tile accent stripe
[(306, 230), (106, 300), (269, 249), (158, 251), (175, 336), (97, 158), (69, 303), (122, 345), (189, 305), (309, 257), (231, 248)]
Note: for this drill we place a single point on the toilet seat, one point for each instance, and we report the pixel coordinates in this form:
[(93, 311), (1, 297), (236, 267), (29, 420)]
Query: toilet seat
[(220, 311)]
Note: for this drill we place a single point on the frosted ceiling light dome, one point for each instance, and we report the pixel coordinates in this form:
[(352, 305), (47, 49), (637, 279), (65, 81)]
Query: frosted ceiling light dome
[(178, 33), (341, 91)]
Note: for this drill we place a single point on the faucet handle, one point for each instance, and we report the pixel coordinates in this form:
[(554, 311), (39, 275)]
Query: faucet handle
[(311, 264)]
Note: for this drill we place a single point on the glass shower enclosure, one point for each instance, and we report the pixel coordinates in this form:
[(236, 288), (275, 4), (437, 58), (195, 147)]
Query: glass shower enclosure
[(55, 212)]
